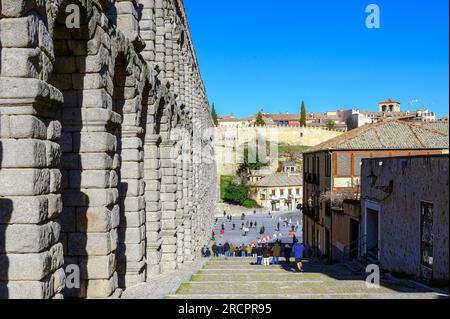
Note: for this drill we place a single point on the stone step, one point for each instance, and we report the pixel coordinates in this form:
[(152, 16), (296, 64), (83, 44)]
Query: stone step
[(218, 277), (318, 287), (240, 266), (310, 296)]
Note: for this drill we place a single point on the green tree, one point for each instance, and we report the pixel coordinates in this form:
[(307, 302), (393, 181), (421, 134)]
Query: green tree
[(214, 115), (259, 120), (303, 115), (236, 194), (254, 164), (330, 125)]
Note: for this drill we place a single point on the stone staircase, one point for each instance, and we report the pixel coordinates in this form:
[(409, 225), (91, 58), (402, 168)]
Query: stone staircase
[(238, 278)]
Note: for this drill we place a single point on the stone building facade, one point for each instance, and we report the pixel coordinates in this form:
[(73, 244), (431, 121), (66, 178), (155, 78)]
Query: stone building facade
[(405, 214), (332, 175), (106, 152)]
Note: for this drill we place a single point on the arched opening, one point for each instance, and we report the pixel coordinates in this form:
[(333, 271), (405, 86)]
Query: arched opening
[(132, 105), (71, 50), (89, 160)]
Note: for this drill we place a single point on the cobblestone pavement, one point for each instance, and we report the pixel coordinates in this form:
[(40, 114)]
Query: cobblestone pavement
[(270, 224), (238, 278)]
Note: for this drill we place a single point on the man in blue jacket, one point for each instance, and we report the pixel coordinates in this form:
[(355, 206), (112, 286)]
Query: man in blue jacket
[(297, 253)]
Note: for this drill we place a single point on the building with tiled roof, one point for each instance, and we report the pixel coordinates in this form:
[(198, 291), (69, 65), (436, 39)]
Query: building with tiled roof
[(391, 135), (332, 173), (279, 191)]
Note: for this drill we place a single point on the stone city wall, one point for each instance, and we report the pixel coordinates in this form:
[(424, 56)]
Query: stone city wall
[(102, 146), (229, 141)]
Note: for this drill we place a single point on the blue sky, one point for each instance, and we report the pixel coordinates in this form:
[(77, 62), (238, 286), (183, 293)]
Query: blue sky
[(273, 54)]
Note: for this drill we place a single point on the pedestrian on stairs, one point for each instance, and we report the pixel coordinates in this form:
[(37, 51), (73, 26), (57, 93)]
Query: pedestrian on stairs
[(266, 255), (287, 254), (297, 252), (259, 254)]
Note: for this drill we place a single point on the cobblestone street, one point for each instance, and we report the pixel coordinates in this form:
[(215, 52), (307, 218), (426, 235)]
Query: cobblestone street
[(262, 219)]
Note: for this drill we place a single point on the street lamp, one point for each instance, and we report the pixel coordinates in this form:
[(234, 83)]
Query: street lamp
[(372, 178)]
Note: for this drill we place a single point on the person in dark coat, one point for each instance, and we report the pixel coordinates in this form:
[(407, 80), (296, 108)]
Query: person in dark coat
[(259, 255), (214, 250), (226, 249), (266, 255), (220, 250), (254, 251), (287, 254)]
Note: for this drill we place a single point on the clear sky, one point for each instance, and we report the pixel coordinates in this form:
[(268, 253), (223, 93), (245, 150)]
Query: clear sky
[(273, 54)]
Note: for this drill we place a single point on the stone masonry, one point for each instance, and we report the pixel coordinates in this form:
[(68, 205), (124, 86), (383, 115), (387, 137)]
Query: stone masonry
[(106, 146)]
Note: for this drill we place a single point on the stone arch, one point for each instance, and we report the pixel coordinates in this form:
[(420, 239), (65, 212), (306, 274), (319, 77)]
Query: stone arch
[(130, 100), (78, 168), (102, 152)]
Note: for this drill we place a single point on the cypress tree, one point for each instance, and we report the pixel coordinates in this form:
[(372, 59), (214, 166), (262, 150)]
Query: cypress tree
[(303, 115), (214, 115)]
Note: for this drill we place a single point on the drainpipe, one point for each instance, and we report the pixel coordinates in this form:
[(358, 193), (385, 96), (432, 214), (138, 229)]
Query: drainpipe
[(331, 206)]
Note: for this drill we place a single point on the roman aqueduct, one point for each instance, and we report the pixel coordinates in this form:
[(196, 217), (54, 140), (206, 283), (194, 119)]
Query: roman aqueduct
[(92, 173)]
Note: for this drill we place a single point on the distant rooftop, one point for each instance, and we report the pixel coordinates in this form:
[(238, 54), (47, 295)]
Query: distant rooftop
[(280, 180), (391, 134)]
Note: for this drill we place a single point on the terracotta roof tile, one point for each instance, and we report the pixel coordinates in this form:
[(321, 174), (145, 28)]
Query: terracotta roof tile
[(391, 134)]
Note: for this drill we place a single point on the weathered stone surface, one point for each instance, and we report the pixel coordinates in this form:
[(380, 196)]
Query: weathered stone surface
[(28, 238), (28, 267), (87, 162)]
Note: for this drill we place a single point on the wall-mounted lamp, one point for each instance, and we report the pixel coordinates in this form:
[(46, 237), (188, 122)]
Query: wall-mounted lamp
[(372, 178)]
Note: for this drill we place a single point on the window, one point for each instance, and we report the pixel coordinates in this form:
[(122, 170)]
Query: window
[(273, 192), (290, 192), (344, 164), (281, 192), (328, 165), (263, 197), (297, 191), (426, 234)]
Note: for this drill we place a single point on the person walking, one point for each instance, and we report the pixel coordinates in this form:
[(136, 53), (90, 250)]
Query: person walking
[(220, 250), (234, 226), (232, 248), (254, 255), (226, 249), (249, 250), (259, 254), (214, 250), (297, 251), (276, 250), (244, 250), (266, 255), (287, 254)]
